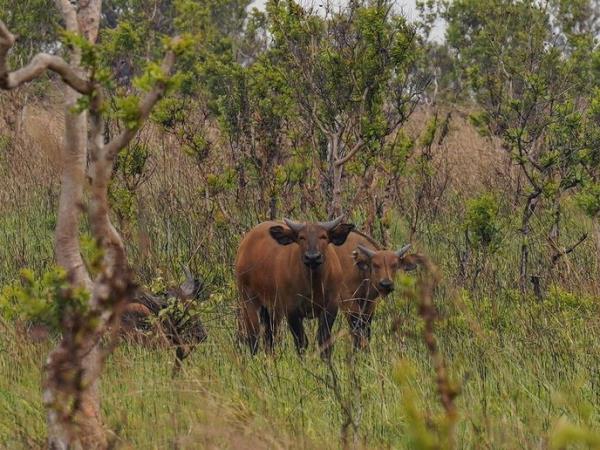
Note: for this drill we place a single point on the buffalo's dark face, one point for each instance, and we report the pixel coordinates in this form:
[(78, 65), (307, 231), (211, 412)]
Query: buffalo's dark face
[(381, 266), (313, 238)]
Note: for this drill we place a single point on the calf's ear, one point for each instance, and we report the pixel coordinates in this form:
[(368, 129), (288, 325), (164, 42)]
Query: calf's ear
[(409, 263), (360, 261), (284, 236), (339, 234)]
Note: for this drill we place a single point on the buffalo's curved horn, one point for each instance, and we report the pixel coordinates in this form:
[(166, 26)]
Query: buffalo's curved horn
[(294, 226), (366, 250), (188, 287), (331, 224), (400, 253), (187, 272)]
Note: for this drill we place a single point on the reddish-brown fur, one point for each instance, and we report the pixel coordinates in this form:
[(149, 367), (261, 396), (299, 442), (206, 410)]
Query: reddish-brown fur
[(274, 282), (362, 275)]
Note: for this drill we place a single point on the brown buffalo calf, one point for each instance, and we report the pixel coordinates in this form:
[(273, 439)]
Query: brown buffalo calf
[(369, 273), (288, 269)]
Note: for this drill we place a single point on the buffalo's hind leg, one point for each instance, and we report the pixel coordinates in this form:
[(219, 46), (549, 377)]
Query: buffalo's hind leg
[(270, 321), (326, 320), (295, 322), (249, 325)]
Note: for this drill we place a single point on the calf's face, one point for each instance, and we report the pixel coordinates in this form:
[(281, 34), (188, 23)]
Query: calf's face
[(381, 266), (313, 238)]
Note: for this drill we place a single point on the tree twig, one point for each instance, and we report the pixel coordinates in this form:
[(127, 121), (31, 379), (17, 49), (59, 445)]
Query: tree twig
[(38, 65)]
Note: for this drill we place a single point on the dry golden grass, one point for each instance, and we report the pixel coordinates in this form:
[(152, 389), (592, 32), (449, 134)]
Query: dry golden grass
[(473, 162)]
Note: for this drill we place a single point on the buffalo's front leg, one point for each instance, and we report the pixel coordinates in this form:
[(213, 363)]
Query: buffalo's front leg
[(326, 320), (249, 325), (295, 322)]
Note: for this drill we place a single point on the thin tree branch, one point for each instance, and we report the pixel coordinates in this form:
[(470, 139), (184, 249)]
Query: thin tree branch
[(359, 145), (146, 105), (38, 65), (563, 252)]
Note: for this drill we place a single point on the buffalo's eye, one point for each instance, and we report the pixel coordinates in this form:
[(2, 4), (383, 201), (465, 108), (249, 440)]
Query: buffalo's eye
[(323, 237), (301, 238)]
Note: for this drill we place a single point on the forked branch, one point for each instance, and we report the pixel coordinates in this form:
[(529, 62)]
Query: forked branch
[(38, 65)]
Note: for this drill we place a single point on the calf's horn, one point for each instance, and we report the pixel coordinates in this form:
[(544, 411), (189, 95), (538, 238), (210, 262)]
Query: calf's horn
[(366, 250), (403, 250)]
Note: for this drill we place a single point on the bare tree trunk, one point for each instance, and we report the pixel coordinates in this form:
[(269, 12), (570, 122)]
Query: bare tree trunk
[(273, 207), (328, 182), (333, 188), (85, 430), (336, 201), (74, 154), (530, 206)]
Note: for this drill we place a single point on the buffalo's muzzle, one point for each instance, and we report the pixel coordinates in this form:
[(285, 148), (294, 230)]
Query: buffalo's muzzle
[(386, 286), (313, 259)]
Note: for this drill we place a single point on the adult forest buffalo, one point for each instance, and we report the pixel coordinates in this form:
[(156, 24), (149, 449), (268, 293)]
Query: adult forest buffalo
[(369, 273), (289, 269)]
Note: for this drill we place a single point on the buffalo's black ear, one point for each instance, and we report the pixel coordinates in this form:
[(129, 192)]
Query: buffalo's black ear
[(284, 236), (339, 234)]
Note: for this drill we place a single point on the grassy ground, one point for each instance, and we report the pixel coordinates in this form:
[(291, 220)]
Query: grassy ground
[(522, 365), (529, 368)]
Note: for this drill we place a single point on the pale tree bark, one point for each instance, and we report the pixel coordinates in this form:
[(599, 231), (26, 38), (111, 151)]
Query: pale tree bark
[(336, 160), (57, 389), (72, 370)]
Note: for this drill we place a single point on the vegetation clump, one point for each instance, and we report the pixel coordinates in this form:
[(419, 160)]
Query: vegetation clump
[(186, 123)]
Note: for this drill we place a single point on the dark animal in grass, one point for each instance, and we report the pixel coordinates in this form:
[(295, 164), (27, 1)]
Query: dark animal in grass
[(175, 313), (289, 270), (368, 274)]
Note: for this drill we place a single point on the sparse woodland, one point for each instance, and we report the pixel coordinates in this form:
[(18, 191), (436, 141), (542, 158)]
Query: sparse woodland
[(139, 141)]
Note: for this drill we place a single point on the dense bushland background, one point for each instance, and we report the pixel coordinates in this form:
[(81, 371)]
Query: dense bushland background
[(482, 151)]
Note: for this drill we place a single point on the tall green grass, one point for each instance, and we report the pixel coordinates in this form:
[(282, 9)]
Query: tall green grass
[(523, 364), (529, 367)]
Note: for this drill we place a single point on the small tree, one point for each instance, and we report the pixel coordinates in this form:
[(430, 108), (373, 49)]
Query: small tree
[(89, 305), (530, 70), (482, 232), (350, 72)]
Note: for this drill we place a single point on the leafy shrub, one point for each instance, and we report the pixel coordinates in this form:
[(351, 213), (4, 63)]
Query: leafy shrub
[(47, 299), (482, 222)]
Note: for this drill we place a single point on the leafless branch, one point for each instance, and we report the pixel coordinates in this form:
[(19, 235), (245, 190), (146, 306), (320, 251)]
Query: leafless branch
[(38, 65), (359, 145), (563, 252)]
